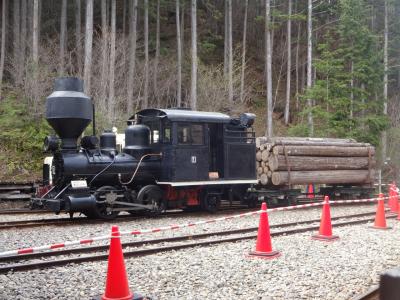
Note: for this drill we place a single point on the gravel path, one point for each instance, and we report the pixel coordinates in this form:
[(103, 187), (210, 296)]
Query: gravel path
[(307, 269), (21, 238)]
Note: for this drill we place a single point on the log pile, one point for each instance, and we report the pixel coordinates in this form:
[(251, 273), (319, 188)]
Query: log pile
[(295, 160)]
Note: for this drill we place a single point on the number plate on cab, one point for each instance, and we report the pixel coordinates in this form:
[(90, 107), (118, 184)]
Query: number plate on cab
[(78, 184)]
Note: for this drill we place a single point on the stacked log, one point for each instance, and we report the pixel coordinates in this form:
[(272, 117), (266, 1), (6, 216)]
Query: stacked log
[(294, 160)]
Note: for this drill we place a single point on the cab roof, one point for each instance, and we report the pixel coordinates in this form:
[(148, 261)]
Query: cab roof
[(185, 115)]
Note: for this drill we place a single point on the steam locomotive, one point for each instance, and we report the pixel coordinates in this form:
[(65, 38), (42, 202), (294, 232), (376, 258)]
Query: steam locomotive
[(172, 158)]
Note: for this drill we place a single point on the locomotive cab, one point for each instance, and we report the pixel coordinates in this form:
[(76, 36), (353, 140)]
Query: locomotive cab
[(200, 147)]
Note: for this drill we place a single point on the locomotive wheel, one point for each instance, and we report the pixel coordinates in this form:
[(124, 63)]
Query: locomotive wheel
[(152, 194), (211, 202), (103, 210)]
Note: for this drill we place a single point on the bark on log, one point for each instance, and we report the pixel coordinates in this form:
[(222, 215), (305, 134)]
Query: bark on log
[(306, 163), (307, 139), (323, 177), (323, 151), (263, 179), (318, 143)]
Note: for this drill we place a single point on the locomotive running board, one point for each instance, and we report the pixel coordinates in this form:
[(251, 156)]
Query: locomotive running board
[(213, 182)]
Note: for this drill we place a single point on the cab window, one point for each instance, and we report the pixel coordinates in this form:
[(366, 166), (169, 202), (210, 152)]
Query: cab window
[(190, 134)]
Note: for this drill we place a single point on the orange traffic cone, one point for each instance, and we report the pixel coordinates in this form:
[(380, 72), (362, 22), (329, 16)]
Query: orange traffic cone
[(117, 286), (391, 200), (380, 219), (310, 191), (264, 246), (325, 227), (395, 198)]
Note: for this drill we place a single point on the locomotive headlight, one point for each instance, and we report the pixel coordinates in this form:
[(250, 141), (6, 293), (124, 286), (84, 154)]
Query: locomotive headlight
[(51, 143)]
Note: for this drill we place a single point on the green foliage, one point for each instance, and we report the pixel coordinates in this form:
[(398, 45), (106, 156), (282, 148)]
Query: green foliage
[(349, 76), (21, 138)]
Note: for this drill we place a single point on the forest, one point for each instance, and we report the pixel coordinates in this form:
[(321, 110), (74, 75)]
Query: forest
[(323, 68)]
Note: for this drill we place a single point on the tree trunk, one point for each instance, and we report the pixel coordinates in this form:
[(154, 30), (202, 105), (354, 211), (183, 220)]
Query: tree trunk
[(226, 38), (193, 90), (78, 38), (385, 78), (145, 103), (17, 46), (311, 163), (268, 71), (289, 62), (246, 5), (230, 53), (104, 52), (88, 45), (132, 58), (63, 36), (309, 67), (352, 89), (297, 62), (324, 151), (323, 177), (35, 33), (111, 95), (157, 56), (183, 29), (23, 42), (179, 58), (4, 17)]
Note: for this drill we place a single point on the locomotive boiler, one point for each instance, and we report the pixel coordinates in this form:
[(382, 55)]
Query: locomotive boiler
[(172, 158)]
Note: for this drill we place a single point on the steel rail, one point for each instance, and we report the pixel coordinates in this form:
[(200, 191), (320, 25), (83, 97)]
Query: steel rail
[(142, 252), (371, 294)]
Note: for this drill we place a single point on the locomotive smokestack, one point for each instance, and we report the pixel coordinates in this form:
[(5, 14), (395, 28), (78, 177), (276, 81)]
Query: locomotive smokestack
[(68, 110)]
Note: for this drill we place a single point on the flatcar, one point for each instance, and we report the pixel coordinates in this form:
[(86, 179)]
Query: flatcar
[(172, 158)]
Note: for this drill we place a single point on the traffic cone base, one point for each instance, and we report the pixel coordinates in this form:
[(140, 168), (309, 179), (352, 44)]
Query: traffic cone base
[(378, 227), (134, 296), (325, 238), (264, 255)]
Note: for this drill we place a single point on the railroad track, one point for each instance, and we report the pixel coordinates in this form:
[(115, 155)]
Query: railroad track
[(123, 218), (16, 191), (23, 262)]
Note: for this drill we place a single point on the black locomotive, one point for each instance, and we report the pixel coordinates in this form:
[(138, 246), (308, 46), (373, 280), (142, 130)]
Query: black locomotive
[(172, 158)]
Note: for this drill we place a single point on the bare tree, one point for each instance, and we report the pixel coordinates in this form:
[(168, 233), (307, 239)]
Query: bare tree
[(246, 5), (385, 77), (88, 45), (78, 38), (35, 33), (104, 52), (16, 39), (24, 17), (183, 28), (289, 62), (226, 37), (268, 66), (111, 95), (193, 89), (132, 57), (309, 67), (146, 55), (230, 53), (157, 56), (63, 35), (4, 20), (179, 58)]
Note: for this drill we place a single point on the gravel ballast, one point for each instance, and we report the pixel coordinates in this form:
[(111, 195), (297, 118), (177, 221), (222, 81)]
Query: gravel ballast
[(307, 269)]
